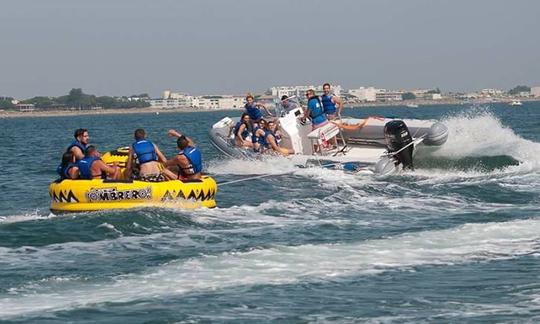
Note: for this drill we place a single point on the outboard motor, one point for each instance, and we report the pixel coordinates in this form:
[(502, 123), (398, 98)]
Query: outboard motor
[(397, 136)]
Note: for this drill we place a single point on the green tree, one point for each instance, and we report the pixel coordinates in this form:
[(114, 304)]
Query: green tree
[(142, 95), (5, 103), (74, 97), (41, 102), (408, 96), (518, 89)]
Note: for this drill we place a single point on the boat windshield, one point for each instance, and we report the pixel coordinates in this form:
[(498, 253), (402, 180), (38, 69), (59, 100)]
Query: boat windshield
[(286, 105)]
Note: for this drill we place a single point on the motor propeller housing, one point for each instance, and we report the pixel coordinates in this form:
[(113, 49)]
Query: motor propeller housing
[(398, 143)]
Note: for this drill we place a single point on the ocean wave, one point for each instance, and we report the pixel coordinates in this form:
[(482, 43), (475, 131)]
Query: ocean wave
[(32, 216), (478, 133), (291, 264)]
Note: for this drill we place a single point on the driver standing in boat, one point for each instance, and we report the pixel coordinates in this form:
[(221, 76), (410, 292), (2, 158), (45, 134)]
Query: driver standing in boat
[(188, 160), (287, 104), (79, 145), (148, 157), (329, 102)]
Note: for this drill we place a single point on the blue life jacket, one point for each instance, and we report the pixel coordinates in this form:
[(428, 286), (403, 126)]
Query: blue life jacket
[(145, 151), (77, 144), (328, 105), (263, 141), (245, 133), (316, 111), (253, 112), (254, 137), (84, 166), (63, 172), (269, 132), (194, 157)]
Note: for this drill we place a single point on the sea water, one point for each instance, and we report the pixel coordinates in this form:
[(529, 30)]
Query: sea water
[(457, 240)]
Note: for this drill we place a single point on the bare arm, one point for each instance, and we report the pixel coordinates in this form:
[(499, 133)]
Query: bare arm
[(265, 109), (79, 154), (73, 173), (339, 103), (172, 162), (351, 127), (112, 171), (272, 140), (175, 133), (240, 130), (161, 156), (129, 163)]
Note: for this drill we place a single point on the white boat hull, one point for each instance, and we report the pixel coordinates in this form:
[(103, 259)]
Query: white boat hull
[(364, 147)]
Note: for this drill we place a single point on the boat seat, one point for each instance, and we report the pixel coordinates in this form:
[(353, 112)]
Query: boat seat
[(324, 133)]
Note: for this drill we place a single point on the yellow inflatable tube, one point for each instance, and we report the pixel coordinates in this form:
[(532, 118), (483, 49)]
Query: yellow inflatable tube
[(98, 194)]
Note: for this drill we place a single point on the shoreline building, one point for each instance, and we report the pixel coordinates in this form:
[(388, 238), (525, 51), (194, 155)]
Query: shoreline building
[(389, 95), (299, 91), (171, 100), (218, 102), (368, 94), (535, 91), (426, 94)]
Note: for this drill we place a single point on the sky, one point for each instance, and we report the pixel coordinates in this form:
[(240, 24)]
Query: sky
[(126, 47)]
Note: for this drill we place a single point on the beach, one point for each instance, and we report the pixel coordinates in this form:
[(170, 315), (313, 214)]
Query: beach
[(116, 111)]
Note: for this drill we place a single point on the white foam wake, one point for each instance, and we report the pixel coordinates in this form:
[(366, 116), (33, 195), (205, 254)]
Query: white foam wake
[(290, 264), (25, 217), (268, 165), (475, 134)]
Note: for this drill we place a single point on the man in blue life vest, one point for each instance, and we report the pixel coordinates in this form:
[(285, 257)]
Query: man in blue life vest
[(332, 104), (266, 139), (253, 109), (315, 110), (147, 157), (68, 169), (188, 160), (92, 167), (78, 146)]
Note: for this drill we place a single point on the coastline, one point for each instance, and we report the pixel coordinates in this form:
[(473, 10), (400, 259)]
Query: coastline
[(116, 111), (5, 114)]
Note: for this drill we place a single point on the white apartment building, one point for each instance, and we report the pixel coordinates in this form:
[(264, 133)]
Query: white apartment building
[(300, 91), (218, 102), (491, 92), (368, 94), (426, 94), (169, 103), (389, 95), (168, 94), (535, 91)]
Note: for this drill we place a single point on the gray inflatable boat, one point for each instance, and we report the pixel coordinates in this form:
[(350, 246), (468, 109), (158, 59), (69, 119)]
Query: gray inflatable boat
[(384, 145)]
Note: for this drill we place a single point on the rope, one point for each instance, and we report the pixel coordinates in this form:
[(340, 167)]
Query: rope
[(416, 141), (274, 174), (252, 178)]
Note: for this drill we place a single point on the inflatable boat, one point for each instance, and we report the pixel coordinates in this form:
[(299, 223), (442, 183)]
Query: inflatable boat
[(383, 145), (98, 194)]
